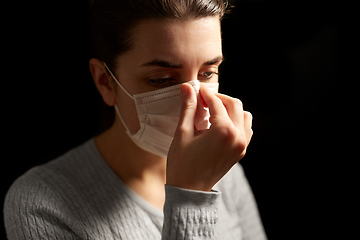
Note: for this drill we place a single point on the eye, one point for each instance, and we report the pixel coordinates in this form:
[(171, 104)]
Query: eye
[(207, 75), (161, 78), (162, 82)]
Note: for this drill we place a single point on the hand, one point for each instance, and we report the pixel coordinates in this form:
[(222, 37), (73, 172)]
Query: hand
[(199, 160)]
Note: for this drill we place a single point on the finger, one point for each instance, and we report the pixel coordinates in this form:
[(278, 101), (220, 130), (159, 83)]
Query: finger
[(234, 109), (188, 108), (248, 117), (248, 125), (216, 108)]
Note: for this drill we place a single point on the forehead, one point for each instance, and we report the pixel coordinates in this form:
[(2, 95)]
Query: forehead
[(177, 40)]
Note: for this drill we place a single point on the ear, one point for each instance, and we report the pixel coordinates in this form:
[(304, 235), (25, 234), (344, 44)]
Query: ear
[(103, 81)]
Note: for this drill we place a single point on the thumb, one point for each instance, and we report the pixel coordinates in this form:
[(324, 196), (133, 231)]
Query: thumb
[(188, 109)]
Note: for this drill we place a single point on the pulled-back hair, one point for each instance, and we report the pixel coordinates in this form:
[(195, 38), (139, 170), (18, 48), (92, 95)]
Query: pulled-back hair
[(112, 20)]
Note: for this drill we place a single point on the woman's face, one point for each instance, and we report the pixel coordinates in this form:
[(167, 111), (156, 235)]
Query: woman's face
[(165, 53)]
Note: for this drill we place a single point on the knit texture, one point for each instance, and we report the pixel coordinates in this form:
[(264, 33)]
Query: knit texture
[(78, 196)]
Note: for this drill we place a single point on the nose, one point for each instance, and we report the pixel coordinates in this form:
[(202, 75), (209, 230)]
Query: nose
[(189, 75)]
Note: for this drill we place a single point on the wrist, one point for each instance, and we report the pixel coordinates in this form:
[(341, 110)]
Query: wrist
[(190, 197)]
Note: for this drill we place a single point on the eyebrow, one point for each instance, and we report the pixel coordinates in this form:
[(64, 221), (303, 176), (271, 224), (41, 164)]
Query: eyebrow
[(218, 59), (162, 63), (172, 64)]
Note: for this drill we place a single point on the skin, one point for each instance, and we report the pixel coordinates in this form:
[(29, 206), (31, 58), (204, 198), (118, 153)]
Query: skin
[(164, 53)]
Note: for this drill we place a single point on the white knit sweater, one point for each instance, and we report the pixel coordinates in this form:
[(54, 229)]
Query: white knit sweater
[(77, 196)]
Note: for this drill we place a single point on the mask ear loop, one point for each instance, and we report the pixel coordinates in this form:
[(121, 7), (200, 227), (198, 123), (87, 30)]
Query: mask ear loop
[(118, 83), (116, 109), (118, 113)]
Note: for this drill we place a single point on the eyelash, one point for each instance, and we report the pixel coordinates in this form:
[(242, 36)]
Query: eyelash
[(165, 82), (211, 74)]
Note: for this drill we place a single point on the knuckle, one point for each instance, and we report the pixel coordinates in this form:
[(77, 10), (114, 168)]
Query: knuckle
[(188, 104), (227, 135), (239, 147), (242, 154), (248, 115), (236, 142), (237, 102), (211, 101), (181, 130), (251, 133)]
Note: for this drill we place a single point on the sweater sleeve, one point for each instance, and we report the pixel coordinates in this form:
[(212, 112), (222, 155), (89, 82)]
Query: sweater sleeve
[(189, 214), (32, 211)]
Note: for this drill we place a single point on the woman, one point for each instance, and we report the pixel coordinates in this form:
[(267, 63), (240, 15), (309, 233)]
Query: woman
[(157, 63)]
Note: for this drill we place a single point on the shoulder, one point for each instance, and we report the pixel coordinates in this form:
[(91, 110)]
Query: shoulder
[(77, 174), (43, 187), (55, 175), (71, 191), (38, 182), (32, 202), (28, 190)]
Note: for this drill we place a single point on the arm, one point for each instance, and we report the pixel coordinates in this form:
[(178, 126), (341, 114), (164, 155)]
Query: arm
[(189, 214), (197, 161)]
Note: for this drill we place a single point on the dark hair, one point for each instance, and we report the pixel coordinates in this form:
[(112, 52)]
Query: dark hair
[(112, 20)]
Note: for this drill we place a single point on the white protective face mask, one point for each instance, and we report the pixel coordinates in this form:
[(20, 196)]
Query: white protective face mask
[(159, 113)]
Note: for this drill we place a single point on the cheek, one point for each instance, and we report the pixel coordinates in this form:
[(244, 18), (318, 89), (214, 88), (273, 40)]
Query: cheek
[(128, 112)]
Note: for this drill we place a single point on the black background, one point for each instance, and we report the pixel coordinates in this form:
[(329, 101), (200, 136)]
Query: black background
[(282, 61)]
